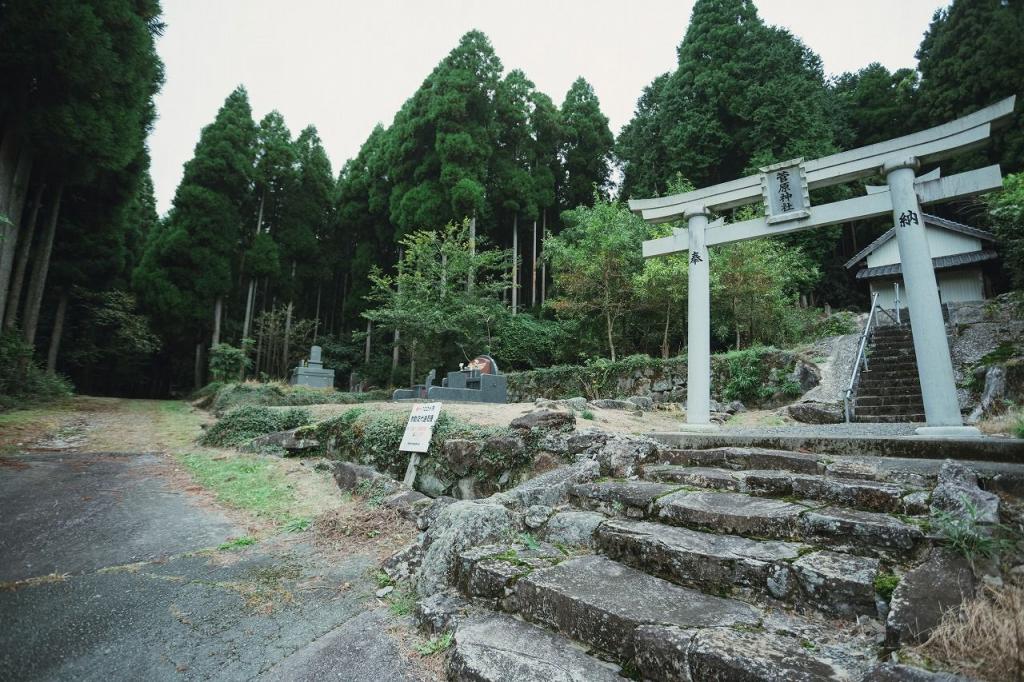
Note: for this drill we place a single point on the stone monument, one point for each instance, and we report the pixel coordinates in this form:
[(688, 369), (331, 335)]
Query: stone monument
[(784, 190), (478, 382), (312, 373)]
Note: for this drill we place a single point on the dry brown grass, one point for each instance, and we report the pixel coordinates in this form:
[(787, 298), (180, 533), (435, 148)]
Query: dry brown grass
[(986, 639), (1006, 424), (362, 528)]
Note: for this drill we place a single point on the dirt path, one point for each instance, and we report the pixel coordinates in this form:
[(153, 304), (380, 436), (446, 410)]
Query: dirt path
[(128, 553)]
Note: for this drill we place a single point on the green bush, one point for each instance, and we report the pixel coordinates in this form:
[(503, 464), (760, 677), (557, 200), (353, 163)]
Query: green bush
[(22, 382), (228, 362), (242, 424)]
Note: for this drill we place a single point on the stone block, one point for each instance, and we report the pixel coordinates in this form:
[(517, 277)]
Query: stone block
[(733, 513), (572, 528), (840, 584), (499, 648), (925, 593)]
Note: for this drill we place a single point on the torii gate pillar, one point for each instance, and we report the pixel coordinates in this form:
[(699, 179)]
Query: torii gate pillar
[(698, 342), (935, 368)]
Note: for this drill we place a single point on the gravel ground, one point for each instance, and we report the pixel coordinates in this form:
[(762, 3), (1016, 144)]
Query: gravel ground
[(837, 430)]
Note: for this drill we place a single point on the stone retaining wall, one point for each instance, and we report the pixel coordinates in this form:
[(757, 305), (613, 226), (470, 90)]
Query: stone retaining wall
[(759, 377)]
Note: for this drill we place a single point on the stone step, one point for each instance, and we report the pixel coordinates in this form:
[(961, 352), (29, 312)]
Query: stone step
[(889, 410), (745, 458), (891, 363), (890, 419), (836, 584), (669, 654), (634, 499), (850, 492), (885, 385), (759, 517), (888, 399), (499, 648), (601, 603)]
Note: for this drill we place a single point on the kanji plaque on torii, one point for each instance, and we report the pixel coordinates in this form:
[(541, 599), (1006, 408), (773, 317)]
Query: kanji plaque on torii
[(785, 190)]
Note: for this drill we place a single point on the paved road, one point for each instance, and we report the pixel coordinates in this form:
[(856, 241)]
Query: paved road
[(107, 573)]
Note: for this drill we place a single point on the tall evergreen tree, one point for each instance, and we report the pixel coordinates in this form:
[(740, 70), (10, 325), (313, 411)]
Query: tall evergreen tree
[(77, 80), (641, 146), (186, 270), (972, 55), (443, 138), (744, 94), (873, 105), (586, 147)]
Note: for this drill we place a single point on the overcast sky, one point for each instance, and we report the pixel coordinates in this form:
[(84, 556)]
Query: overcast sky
[(344, 66)]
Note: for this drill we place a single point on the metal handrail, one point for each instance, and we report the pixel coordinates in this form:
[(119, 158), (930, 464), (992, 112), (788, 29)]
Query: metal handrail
[(862, 358)]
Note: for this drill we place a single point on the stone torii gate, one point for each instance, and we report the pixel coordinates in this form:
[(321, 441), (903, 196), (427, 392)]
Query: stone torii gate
[(784, 189)]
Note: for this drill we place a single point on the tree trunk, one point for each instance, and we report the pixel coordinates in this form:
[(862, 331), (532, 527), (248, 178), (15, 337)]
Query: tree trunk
[(369, 336), (40, 267), (472, 250), (608, 327), (543, 263), (412, 364), (8, 162), (218, 308), (58, 332), (21, 261), (515, 264), (197, 369), (259, 354), (664, 338), (286, 341), (316, 327), (9, 240), (249, 301), (394, 353), (533, 276)]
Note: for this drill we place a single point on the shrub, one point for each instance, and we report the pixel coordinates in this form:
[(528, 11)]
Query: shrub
[(22, 382), (228, 362), (241, 425)]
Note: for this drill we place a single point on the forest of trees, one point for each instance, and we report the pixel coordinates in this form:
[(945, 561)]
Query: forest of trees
[(486, 216)]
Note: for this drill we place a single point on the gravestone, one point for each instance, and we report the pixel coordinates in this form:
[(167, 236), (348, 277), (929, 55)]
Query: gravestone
[(478, 382), (417, 390), (312, 373), (784, 190)]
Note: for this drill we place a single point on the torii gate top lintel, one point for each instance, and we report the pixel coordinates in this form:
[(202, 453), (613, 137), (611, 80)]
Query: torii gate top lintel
[(927, 146)]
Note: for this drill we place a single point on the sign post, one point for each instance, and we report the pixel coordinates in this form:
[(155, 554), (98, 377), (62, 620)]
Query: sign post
[(418, 432), (784, 188)]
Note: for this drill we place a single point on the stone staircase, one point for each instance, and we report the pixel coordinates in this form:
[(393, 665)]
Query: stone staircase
[(890, 390), (722, 564)]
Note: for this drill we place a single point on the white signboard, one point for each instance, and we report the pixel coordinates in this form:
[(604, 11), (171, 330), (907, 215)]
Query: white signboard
[(785, 193), (420, 428)]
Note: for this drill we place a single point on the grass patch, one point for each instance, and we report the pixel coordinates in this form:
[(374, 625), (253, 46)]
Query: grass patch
[(435, 645), (237, 543), (402, 600), (885, 585), (251, 483), (587, 414), (12, 585), (297, 524), (968, 537)]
